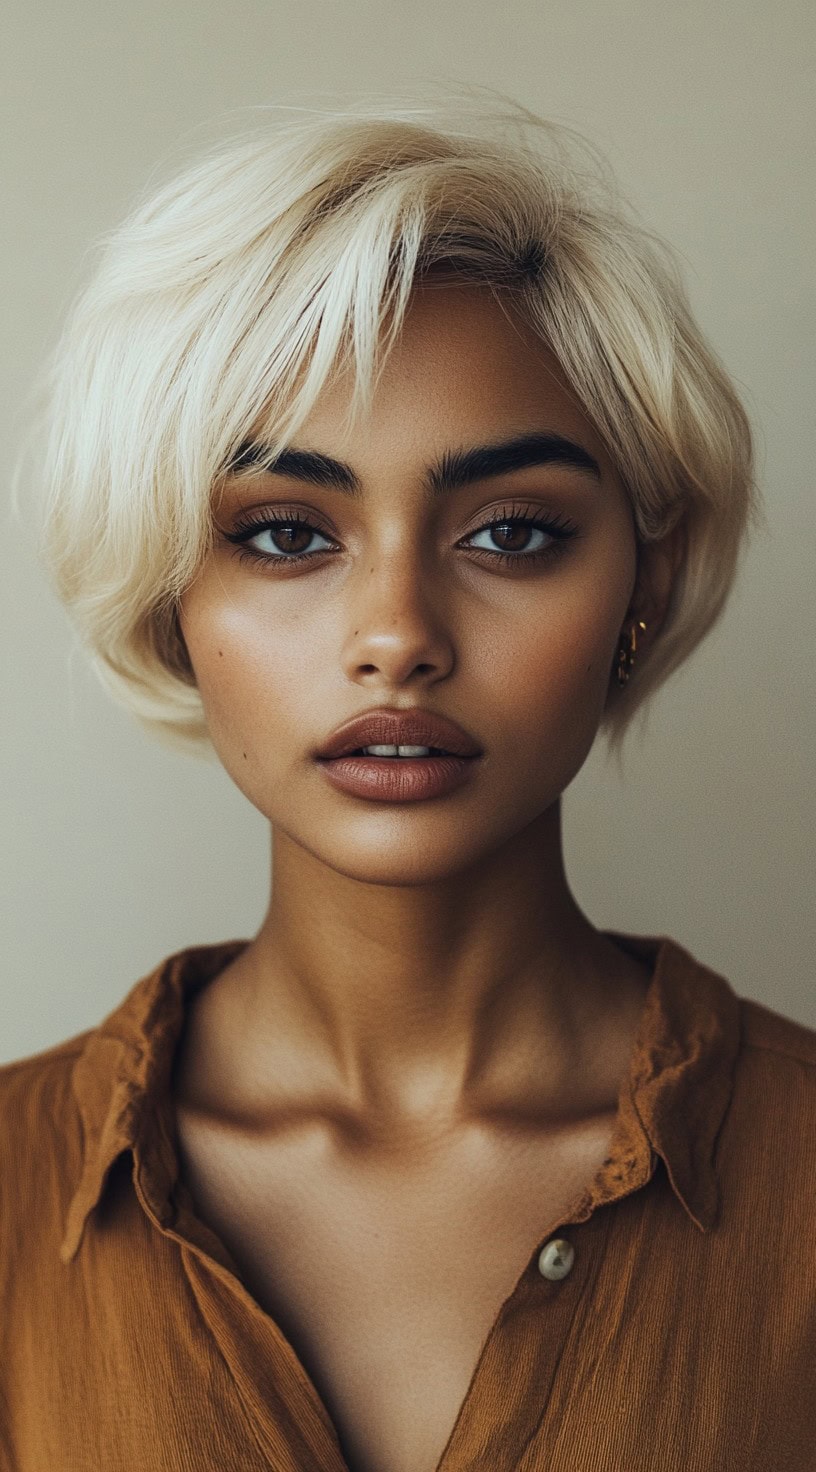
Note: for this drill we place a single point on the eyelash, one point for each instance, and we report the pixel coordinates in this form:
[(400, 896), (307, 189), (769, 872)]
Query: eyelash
[(559, 527)]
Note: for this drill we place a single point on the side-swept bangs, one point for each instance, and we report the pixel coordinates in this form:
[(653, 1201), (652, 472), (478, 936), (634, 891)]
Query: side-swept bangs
[(226, 300)]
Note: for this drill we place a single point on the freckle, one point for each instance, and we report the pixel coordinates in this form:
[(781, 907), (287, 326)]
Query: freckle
[(245, 756), (221, 653)]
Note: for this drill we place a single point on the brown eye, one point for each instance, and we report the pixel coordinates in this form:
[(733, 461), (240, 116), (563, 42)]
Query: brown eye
[(289, 537), (515, 530), (509, 537)]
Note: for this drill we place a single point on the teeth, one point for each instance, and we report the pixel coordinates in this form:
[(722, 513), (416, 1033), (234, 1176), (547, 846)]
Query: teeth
[(397, 750)]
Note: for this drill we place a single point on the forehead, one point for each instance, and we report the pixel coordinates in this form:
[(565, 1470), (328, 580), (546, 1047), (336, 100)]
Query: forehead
[(466, 368)]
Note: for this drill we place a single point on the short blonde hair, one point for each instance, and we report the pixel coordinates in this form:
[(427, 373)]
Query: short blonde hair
[(230, 296)]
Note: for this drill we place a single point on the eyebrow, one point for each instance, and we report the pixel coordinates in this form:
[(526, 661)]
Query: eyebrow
[(456, 468)]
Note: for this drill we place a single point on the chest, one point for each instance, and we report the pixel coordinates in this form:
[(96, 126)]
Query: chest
[(385, 1269)]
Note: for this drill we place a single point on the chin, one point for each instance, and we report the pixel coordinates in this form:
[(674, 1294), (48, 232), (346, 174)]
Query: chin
[(388, 860)]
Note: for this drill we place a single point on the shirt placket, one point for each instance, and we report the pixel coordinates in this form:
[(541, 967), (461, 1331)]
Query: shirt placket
[(286, 1419), (539, 1326), (537, 1329)]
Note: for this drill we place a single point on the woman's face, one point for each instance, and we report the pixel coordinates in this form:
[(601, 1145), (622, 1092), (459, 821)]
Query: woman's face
[(405, 602)]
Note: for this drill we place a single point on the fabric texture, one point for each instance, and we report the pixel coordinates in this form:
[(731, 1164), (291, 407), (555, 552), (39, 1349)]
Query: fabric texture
[(683, 1337)]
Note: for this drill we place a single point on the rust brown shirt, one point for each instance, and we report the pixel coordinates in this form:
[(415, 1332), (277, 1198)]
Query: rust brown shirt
[(681, 1337)]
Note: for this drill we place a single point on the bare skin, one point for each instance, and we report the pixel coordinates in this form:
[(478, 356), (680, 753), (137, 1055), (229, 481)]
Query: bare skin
[(409, 1075)]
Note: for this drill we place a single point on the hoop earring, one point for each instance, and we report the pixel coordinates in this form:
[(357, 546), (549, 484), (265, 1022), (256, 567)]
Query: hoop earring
[(626, 652)]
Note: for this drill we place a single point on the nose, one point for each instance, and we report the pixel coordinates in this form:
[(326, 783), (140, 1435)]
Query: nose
[(398, 623)]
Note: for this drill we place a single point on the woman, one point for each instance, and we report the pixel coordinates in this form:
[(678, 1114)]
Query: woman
[(387, 459)]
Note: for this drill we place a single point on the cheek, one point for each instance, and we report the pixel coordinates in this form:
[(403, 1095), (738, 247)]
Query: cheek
[(554, 659), (248, 670), (554, 663)]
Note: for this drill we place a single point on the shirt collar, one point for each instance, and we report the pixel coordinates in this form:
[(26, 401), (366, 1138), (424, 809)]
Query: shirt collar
[(125, 1066), (671, 1104), (681, 1073)]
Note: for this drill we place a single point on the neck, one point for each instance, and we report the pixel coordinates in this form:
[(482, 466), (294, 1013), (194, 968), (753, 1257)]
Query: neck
[(410, 1002)]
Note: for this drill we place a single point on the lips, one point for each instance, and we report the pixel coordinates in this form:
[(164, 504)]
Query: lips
[(386, 727)]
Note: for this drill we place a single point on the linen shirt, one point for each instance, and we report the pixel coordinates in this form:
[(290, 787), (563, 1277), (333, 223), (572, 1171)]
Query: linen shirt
[(680, 1336)]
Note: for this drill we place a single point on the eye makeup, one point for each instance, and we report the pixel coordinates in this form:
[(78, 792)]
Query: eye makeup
[(509, 520)]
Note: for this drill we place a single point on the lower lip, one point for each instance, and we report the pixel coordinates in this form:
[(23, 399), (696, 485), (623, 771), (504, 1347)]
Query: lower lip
[(398, 779)]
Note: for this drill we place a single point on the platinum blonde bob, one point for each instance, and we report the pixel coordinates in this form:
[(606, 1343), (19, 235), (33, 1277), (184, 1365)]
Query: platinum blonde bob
[(229, 296)]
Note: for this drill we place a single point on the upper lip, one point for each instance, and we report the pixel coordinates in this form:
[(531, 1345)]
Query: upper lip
[(388, 727)]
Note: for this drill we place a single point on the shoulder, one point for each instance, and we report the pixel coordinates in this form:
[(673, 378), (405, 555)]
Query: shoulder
[(26, 1084), (769, 1132), (775, 1079), (40, 1128), (777, 1067), (775, 1040)]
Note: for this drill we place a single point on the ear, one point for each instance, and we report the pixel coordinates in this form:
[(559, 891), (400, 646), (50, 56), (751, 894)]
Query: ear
[(657, 568)]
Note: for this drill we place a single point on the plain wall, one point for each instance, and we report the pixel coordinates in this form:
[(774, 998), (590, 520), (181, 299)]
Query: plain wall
[(116, 850)]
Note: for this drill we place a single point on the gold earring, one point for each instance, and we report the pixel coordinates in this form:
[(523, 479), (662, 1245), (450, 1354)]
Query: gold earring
[(626, 652)]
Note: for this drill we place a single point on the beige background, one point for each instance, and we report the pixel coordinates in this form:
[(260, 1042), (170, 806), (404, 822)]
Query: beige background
[(118, 851)]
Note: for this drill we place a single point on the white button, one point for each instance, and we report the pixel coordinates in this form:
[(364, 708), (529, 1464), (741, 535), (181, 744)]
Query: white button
[(556, 1258)]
